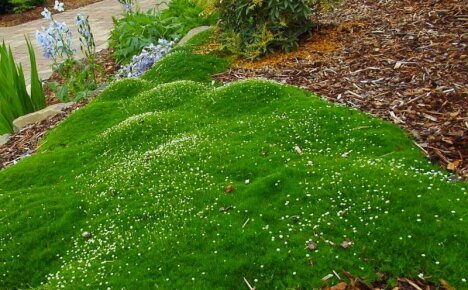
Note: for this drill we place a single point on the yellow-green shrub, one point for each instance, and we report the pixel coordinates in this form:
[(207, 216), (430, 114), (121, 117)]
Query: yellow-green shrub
[(254, 27)]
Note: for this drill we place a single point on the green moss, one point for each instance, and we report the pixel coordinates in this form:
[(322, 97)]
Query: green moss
[(182, 65), (145, 171), (124, 89)]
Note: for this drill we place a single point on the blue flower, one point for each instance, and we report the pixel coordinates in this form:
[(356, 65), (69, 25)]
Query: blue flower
[(46, 41), (146, 59)]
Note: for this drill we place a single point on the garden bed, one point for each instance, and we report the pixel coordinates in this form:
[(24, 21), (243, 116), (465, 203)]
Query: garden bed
[(12, 19), (172, 180), (404, 61), (24, 143), (253, 181)]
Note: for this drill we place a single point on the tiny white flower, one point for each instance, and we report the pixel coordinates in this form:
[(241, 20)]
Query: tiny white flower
[(59, 6), (46, 14)]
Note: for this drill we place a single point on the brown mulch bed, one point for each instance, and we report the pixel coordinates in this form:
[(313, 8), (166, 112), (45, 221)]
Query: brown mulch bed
[(25, 142), (13, 19), (405, 61), (355, 283)]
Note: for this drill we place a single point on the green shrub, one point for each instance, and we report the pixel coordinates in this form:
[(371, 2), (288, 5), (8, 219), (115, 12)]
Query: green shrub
[(136, 30), (14, 98), (254, 27), (5, 6), (18, 6)]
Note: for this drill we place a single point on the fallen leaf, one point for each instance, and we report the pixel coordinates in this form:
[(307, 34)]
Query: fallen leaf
[(453, 165), (454, 114), (229, 188), (445, 285), (339, 286)]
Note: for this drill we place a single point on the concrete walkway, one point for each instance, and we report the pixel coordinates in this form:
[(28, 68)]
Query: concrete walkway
[(100, 18)]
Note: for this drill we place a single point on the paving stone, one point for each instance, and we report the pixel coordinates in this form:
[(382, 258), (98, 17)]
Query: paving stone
[(192, 34), (40, 115), (4, 139)]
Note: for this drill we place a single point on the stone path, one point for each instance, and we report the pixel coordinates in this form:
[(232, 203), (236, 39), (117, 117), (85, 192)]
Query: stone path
[(100, 18)]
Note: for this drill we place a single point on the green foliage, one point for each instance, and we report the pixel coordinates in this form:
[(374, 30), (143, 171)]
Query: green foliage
[(79, 79), (145, 171), (38, 98), (134, 31), (254, 27), (183, 65), (18, 6), (14, 98)]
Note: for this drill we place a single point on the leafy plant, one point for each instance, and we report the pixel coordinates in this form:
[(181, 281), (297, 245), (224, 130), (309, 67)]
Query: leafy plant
[(255, 27), (14, 98), (56, 41), (18, 6), (137, 30)]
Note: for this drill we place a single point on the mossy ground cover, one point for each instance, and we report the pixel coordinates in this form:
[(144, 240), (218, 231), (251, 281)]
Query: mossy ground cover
[(144, 169)]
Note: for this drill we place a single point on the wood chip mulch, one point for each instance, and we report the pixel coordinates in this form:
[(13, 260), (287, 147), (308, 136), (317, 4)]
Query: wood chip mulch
[(25, 142), (405, 61)]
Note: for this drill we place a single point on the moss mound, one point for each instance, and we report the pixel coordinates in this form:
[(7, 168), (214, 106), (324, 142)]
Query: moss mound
[(183, 185)]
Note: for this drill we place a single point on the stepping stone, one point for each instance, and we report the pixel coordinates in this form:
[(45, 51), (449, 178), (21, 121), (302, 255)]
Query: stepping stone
[(4, 139), (40, 115), (192, 33)]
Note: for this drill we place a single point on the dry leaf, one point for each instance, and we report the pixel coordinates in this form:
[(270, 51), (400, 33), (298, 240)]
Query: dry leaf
[(453, 165), (445, 285), (229, 188), (339, 286)]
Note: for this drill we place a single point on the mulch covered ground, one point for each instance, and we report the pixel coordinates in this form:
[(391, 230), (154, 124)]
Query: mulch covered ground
[(402, 60), (25, 142), (12, 19)]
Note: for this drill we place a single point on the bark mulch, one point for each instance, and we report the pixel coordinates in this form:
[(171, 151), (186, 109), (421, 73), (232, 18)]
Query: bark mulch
[(25, 142), (12, 19), (405, 61), (401, 284)]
